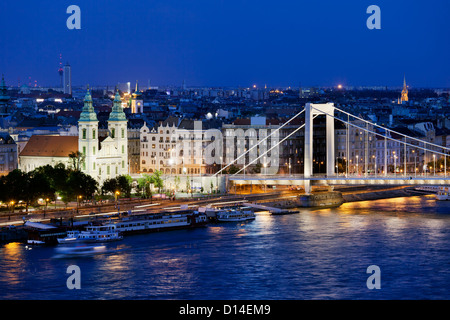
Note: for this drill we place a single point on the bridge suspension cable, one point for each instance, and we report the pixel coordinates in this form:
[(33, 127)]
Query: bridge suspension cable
[(300, 127), (267, 137), (390, 130), (391, 138)]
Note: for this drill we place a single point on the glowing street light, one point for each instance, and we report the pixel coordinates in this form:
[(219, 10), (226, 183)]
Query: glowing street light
[(78, 202), (117, 194)]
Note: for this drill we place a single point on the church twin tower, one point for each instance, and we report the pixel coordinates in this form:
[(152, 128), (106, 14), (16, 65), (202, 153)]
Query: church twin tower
[(108, 158)]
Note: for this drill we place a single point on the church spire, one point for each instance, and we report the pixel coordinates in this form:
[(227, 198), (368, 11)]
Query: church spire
[(404, 97), (88, 112), (117, 113)]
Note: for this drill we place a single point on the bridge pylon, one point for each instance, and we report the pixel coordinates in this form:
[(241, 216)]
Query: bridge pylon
[(311, 110)]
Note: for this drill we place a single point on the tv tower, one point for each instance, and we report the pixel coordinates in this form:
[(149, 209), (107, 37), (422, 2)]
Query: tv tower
[(60, 71)]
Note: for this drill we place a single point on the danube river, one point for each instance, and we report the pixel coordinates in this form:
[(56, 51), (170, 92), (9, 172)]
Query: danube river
[(317, 254)]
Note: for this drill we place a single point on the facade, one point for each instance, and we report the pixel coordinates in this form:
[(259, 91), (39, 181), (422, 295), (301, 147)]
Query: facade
[(243, 135), (158, 146), (8, 154), (179, 147), (108, 158), (134, 147), (43, 150)]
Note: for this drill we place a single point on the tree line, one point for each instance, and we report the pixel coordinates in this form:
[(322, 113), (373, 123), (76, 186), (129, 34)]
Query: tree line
[(49, 182), (46, 182)]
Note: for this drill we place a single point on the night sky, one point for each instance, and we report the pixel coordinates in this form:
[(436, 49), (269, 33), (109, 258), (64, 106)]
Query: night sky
[(228, 42)]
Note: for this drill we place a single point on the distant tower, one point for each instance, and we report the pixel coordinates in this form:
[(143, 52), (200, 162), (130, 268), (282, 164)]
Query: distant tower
[(61, 72), (404, 97), (136, 102), (67, 79)]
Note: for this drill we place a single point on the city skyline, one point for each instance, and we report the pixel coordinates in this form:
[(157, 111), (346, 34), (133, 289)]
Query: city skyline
[(227, 44)]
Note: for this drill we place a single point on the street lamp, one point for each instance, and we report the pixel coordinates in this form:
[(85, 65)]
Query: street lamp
[(117, 194), (395, 165), (12, 208), (346, 167), (375, 161), (46, 203), (78, 202)]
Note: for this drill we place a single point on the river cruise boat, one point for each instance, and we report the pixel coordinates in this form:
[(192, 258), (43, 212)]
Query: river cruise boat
[(43, 234), (100, 233), (235, 215), (154, 222), (443, 193)]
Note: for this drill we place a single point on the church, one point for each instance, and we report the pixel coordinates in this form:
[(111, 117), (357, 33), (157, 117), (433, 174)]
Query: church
[(404, 97), (103, 159)]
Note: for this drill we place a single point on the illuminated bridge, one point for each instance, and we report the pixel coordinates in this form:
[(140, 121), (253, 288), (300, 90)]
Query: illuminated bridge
[(363, 170)]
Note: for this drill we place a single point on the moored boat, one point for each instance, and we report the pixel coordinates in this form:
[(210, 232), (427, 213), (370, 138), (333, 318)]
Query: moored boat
[(93, 233), (235, 215), (151, 222), (443, 194)]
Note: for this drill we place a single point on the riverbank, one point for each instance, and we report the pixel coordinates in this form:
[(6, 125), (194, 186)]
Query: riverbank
[(374, 193)]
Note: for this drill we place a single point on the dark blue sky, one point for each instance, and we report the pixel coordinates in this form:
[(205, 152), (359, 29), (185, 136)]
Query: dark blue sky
[(228, 42)]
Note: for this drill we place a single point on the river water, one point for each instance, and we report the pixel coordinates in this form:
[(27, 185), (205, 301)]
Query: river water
[(317, 254)]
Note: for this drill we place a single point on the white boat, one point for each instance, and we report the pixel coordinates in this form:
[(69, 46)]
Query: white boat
[(443, 193), (102, 233), (72, 236), (234, 215), (79, 251), (146, 223)]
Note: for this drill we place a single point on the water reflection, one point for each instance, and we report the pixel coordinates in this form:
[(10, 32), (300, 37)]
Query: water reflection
[(13, 263), (315, 254)]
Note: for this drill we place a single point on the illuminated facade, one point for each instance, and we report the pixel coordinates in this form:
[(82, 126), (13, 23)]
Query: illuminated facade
[(109, 158), (404, 97)]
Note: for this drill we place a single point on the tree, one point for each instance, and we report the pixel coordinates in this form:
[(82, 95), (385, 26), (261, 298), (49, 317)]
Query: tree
[(232, 169), (120, 183), (25, 186), (257, 168), (80, 184), (157, 180), (77, 158), (110, 186), (144, 184), (177, 182)]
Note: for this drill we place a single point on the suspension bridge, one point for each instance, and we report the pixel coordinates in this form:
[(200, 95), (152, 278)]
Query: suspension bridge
[(371, 166)]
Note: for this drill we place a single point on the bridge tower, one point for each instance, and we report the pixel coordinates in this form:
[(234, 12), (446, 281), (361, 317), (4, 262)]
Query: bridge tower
[(312, 110)]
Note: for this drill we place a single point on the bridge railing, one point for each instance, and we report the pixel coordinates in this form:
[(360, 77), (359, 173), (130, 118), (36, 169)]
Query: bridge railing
[(341, 176)]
